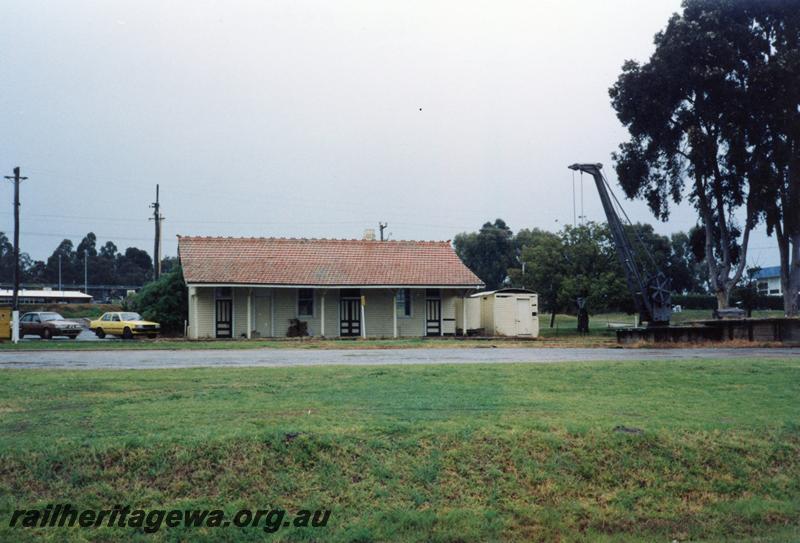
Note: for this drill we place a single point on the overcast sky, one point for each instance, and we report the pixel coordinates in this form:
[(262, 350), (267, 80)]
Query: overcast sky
[(312, 119)]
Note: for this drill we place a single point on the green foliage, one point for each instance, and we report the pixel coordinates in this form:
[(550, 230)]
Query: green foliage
[(488, 253), (542, 253), (105, 267), (717, 109), (165, 301), (582, 261), (500, 452)]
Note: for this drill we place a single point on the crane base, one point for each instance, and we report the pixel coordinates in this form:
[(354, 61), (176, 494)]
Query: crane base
[(777, 330)]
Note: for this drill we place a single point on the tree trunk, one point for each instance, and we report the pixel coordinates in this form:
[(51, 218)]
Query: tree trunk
[(791, 283), (790, 266), (553, 317), (723, 297)]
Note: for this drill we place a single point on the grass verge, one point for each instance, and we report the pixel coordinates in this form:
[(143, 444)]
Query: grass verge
[(444, 453)]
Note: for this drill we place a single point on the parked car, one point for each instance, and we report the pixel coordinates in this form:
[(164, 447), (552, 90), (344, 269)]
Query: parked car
[(125, 324), (47, 324)]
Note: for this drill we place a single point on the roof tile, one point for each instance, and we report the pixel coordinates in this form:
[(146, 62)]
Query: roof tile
[(323, 262)]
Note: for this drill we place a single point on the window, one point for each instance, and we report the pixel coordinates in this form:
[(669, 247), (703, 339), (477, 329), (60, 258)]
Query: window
[(350, 293), (305, 302), (775, 291), (223, 293), (107, 317), (115, 318), (763, 287), (403, 302), (26, 318), (432, 293)]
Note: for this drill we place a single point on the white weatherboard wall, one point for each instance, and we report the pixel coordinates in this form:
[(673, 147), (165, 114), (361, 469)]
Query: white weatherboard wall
[(271, 309), (473, 313), (514, 314)]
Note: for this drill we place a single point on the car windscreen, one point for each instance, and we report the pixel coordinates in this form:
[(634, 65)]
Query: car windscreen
[(50, 317), (131, 316)]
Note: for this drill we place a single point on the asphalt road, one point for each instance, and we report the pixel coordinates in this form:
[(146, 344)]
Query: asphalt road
[(122, 359)]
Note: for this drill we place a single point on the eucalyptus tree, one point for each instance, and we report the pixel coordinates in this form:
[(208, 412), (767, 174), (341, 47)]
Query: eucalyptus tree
[(684, 111), (489, 252), (774, 132)]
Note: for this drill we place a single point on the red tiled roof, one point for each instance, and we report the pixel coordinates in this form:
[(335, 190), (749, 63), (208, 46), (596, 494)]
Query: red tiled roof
[(324, 262)]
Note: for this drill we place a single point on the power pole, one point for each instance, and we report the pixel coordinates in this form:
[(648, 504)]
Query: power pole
[(16, 178), (85, 272), (59, 274), (382, 226), (157, 218)]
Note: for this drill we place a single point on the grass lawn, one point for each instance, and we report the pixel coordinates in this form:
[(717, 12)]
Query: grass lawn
[(511, 452)]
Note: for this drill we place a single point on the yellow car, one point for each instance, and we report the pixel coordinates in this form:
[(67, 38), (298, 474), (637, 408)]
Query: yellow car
[(125, 324)]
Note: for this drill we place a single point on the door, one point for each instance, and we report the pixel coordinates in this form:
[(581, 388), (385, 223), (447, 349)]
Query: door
[(433, 317), (350, 317), (262, 316), (28, 325), (224, 324), (524, 317), (115, 326)]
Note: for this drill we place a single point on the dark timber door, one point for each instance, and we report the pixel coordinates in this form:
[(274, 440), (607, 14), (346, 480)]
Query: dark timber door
[(349, 317), (433, 317), (224, 325)]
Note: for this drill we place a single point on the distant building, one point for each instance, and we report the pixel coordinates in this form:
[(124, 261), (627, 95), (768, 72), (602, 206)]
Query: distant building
[(768, 281), (27, 296)]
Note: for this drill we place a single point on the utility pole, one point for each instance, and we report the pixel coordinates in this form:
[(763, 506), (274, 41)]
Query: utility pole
[(16, 178), (157, 218), (85, 272), (59, 274), (382, 226)]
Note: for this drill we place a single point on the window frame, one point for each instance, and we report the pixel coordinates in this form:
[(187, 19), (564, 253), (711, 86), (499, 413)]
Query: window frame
[(307, 299), (407, 301)]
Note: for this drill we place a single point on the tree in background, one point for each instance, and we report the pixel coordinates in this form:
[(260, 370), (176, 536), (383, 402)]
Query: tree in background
[(582, 261), (489, 252), (685, 270), (63, 266), (773, 131), (134, 267), (169, 263), (6, 257), (105, 267), (88, 245), (592, 270), (164, 301), (684, 111), (542, 254)]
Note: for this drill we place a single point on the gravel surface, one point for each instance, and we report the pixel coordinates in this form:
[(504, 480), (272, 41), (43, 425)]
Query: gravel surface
[(119, 359)]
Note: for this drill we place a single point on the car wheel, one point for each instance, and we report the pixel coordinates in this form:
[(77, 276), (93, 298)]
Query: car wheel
[(47, 334), (99, 333), (73, 337), (127, 334)]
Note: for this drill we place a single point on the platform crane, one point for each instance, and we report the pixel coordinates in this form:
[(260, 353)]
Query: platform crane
[(651, 293)]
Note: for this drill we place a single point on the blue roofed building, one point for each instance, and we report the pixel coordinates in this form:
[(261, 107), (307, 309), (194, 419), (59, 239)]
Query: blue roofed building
[(768, 281)]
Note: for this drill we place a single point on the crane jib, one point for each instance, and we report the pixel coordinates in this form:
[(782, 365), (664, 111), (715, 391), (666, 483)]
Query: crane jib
[(651, 294)]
